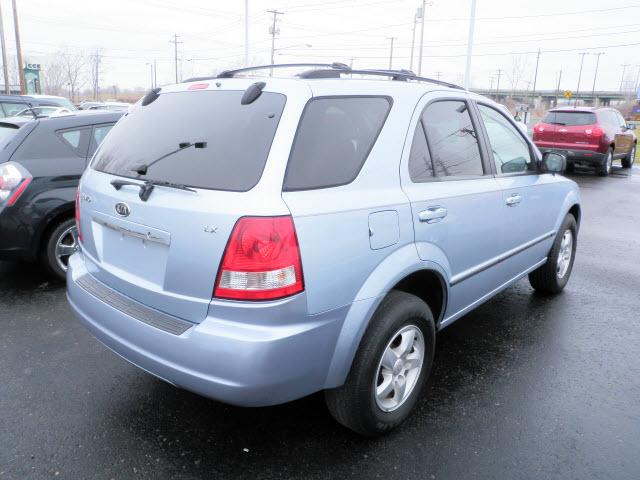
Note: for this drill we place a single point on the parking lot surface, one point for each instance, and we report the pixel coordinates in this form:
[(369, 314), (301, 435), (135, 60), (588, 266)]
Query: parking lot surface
[(526, 386)]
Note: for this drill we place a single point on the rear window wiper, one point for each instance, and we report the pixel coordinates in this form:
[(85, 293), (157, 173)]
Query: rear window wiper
[(557, 123), (147, 187), (142, 168)]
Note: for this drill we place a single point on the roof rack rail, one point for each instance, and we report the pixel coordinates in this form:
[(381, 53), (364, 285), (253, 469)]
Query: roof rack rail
[(401, 75), (232, 73), (331, 70)]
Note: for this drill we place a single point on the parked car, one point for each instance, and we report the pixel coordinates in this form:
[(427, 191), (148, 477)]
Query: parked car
[(41, 161), (256, 241), (592, 137), (114, 106), (33, 112), (10, 105)]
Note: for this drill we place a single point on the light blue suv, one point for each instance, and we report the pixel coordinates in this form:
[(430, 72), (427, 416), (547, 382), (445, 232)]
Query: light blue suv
[(256, 240)]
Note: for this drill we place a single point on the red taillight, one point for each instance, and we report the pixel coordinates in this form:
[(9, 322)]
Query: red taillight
[(594, 131), (18, 191), (261, 261), (14, 180), (78, 214)]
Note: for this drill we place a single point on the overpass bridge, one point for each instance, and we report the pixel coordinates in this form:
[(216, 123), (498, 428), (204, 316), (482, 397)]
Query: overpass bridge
[(548, 98)]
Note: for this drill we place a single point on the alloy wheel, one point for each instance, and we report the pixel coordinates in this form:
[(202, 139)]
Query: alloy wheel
[(564, 255), (66, 245)]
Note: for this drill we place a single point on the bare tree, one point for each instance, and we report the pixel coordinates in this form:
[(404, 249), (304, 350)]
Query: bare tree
[(74, 65), (95, 62), (53, 76), (518, 66)]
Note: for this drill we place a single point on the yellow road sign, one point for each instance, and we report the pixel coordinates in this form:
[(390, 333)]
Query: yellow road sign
[(568, 94)]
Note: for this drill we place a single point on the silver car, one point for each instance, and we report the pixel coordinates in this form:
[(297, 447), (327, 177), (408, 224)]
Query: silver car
[(256, 240)]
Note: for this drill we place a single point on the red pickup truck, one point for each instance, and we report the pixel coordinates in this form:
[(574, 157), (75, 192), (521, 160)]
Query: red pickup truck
[(587, 136)]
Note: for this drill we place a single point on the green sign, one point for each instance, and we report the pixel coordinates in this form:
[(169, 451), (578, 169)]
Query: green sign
[(32, 78)]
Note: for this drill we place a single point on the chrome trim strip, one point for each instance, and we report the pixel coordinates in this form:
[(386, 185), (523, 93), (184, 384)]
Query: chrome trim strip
[(500, 258), (132, 233)]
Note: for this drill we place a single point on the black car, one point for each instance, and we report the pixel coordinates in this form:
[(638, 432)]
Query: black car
[(11, 105), (41, 161)]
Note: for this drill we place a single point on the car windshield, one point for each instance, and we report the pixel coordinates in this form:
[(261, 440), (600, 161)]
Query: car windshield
[(231, 141), (570, 118)]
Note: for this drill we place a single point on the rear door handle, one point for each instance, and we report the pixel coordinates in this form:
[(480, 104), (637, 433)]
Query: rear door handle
[(433, 214), (513, 200)]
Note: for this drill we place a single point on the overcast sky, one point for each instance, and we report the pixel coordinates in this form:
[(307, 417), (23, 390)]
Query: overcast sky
[(507, 36)]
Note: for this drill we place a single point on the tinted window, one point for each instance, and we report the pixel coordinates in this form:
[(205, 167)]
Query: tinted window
[(72, 137), (11, 109), (7, 132), (420, 166), (334, 138), (99, 132), (452, 139), (570, 118), (236, 139), (510, 151)]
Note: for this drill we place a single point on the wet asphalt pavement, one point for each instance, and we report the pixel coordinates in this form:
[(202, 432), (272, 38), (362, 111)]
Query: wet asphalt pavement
[(526, 386)]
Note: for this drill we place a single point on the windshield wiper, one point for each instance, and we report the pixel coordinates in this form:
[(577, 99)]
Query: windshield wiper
[(142, 168), (557, 123), (147, 187)]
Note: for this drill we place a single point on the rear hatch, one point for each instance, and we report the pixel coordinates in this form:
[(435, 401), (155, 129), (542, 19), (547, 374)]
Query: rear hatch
[(165, 251), (568, 129)]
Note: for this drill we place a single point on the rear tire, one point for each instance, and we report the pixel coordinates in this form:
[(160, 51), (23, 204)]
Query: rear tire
[(605, 168), (627, 161), (385, 381), (553, 276), (60, 245)]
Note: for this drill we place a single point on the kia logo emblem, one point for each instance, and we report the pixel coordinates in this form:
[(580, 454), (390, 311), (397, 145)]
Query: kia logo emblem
[(123, 209)]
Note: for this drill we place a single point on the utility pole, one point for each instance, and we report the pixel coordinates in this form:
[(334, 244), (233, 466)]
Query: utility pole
[(637, 82), (155, 73), (246, 33), (438, 75), (582, 54), (413, 37), (151, 71), (624, 69), (491, 84), (273, 31), (558, 88), (16, 28), (391, 52), (97, 58), (5, 67), (472, 22), (535, 77), (175, 53), (595, 75), (422, 15), (498, 83)]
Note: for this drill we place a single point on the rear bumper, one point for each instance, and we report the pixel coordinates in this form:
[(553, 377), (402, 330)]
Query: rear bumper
[(244, 363), (577, 155)]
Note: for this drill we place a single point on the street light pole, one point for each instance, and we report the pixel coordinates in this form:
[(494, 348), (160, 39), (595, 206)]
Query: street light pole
[(16, 28), (273, 32), (582, 54), (472, 22), (424, 4), (595, 75), (246, 33), (624, 69), (391, 52), (413, 38)]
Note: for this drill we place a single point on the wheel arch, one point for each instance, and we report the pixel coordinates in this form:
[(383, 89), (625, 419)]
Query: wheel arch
[(53, 219), (404, 270)]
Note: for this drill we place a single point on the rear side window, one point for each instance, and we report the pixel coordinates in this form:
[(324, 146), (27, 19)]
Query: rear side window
[(452, 139), (333, 141), (570, 118), (203, 139)]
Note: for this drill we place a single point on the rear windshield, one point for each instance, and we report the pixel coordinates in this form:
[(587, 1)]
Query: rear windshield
[(570, 118), (7, 132), (333, 140), (218, 143)]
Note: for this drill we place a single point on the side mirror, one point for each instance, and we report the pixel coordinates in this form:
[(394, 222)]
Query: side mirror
[(554, 162), (625, 128)]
